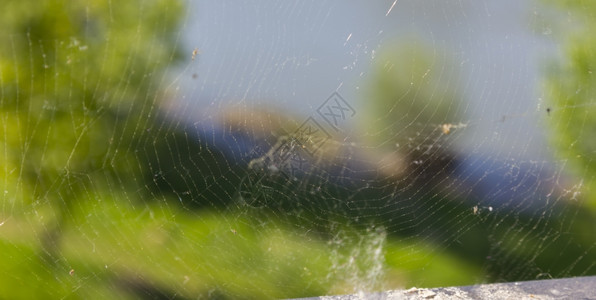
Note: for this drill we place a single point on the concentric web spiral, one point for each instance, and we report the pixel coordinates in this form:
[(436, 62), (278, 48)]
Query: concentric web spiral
[(172, 149)]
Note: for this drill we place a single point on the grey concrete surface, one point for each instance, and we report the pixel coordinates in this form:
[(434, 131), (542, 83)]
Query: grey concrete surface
[(567, 288)]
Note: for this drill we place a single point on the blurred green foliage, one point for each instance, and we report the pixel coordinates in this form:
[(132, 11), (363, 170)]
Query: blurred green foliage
[(571, 90), (79, 79), (413, 93)]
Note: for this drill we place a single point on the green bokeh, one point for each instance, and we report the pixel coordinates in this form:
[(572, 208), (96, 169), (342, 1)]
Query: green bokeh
[(571, 90)]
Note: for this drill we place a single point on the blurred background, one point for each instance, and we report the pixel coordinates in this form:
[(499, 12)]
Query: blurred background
[(210, 149)]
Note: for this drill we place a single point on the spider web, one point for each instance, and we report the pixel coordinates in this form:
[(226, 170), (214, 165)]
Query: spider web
[(272, 150)]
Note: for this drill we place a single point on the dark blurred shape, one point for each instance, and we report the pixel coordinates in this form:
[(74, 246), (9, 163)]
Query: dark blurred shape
[(142, 289), (210, 164)]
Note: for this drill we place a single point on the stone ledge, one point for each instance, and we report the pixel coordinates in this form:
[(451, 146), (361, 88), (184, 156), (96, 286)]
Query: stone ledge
[(567, 288)]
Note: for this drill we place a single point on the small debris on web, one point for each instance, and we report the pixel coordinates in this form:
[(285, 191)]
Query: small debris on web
[(446, 128), (195, 52), (477, 210)]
